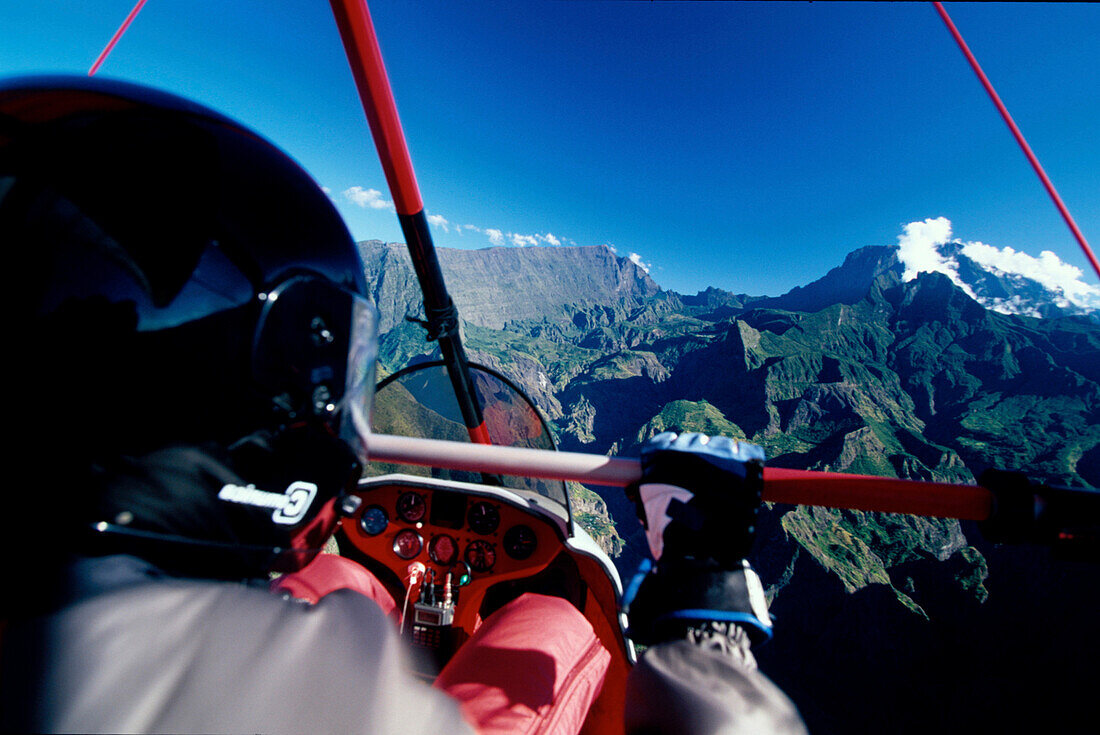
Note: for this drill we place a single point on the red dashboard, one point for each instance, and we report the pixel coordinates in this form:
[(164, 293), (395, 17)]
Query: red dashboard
[(478, 539)]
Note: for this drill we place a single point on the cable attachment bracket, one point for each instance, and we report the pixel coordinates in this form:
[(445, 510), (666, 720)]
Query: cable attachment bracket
[(440, 322)]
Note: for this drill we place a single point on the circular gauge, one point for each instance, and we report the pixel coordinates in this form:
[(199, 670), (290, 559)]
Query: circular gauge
[(407, 544), (484, 518), (374, 520), (462, 573), (520, 542), (481, 556), (443, 550), (411, 507)]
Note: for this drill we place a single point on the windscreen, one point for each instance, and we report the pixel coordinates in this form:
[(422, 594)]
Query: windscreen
[(419, 401)]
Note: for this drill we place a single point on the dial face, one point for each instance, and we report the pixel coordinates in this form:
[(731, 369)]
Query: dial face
[(484, 518), (520, 542), (443, 550), (481, 556), (411, 507), (374, 520), (407, 544)]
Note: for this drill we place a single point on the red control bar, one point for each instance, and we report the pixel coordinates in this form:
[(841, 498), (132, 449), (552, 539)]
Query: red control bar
[(795, 487)]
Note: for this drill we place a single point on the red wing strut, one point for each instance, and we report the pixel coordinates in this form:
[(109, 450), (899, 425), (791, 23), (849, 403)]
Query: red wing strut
[(114, 39), (1047, 183)]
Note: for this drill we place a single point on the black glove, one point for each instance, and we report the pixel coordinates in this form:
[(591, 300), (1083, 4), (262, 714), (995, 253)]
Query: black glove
[(698, 499), (1027, 511)]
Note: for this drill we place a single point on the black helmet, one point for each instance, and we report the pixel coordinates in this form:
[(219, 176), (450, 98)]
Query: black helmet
[(190, 301)]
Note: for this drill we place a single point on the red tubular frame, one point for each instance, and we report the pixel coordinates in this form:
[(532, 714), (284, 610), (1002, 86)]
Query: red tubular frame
[(1019, 136), (883, 494), (797, 487), (373, 84), (114, 39), (365, 57)]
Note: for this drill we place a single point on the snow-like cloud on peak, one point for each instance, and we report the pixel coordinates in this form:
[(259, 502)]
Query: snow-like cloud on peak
[(637, 260), (919, 250), (367, 198), (495, 236), (1048, 270)]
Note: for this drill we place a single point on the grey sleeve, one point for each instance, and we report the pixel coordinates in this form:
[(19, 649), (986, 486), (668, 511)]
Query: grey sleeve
[(213, 658), (685, 688), (356, 677)]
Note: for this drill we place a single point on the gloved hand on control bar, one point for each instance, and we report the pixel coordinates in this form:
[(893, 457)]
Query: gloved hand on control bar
[(698, 500)]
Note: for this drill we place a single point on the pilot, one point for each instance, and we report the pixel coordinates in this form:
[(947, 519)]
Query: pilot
[(194, 349)]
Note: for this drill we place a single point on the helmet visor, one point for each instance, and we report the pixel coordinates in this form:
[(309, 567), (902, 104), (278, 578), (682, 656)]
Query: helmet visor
[(358, 400), (314, 351)]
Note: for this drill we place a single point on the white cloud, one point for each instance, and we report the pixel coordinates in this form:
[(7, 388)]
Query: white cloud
[(326, 190), (474, 228), (523, 240), (918, 250), (637, 260), (367, 198), (499, 237), (1048, 270), (496, 237), (1013, 305)]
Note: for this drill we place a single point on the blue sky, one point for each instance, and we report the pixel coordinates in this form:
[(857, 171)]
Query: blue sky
[(745, 146)]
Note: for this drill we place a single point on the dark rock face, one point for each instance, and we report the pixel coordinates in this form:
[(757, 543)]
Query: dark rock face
[(845, 284), (538, 281)]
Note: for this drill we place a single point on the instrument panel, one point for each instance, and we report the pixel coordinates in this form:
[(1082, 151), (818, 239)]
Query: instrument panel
[(480, 546), (478, 539)]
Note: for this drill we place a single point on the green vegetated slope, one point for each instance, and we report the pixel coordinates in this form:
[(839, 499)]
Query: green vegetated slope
[(857, 372), (910, 380)]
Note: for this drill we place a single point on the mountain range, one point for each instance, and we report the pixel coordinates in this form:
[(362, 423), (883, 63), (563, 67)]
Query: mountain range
[(859, 371)]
